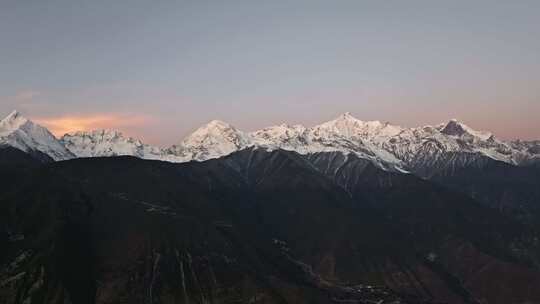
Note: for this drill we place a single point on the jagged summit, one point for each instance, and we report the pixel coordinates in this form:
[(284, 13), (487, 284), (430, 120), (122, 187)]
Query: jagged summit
[(21, 133), (215, 139), (11, 123), (344, 125), (215, 130), (351, 127), (216, 123), (13, 115), (107, 143), (455, 127), (346, 116), (102, 132)]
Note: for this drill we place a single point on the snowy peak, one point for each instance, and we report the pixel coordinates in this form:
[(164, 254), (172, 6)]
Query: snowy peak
[(344, 125), (282, 130), (99, 143), (11, 123), (453, 127), (215, 139), (457, 128), (21, 133), (282, 136), (347, 116), (215, 128), (349, 127), (14, 115), (103, 135), (216, 132)]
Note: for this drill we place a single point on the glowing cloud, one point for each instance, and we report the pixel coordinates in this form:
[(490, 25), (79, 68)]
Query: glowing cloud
[(66, 124)]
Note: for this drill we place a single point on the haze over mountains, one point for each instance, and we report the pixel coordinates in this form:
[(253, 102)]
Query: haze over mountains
[(391, 147)]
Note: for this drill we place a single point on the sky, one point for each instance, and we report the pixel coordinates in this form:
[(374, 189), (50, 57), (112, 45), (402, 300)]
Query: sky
[(159, 69)]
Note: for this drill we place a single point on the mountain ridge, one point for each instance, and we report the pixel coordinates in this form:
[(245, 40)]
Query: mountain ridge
[(388, 146)]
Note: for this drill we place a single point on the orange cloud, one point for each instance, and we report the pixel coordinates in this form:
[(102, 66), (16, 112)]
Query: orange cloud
[(66, 124)]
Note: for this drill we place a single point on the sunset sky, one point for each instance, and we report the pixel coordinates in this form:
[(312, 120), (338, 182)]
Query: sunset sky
[(159, 69)]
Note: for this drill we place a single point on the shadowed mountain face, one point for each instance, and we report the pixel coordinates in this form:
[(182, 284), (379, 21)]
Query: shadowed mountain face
[(509, 189), (445, 223), (16, 166), (253, 227)]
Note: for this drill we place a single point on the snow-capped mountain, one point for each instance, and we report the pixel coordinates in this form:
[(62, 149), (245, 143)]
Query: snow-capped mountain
[(213, 140), (351, 135), (23, 134), (448, 146), (344, 134), (107, 143), (451, 144), (282, 136), (422, 150), (529, 151), (476, 141), (347, 126)]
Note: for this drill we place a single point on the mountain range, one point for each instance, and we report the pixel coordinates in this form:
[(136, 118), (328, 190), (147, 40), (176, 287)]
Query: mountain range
[(343, 212), (425, 151)]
